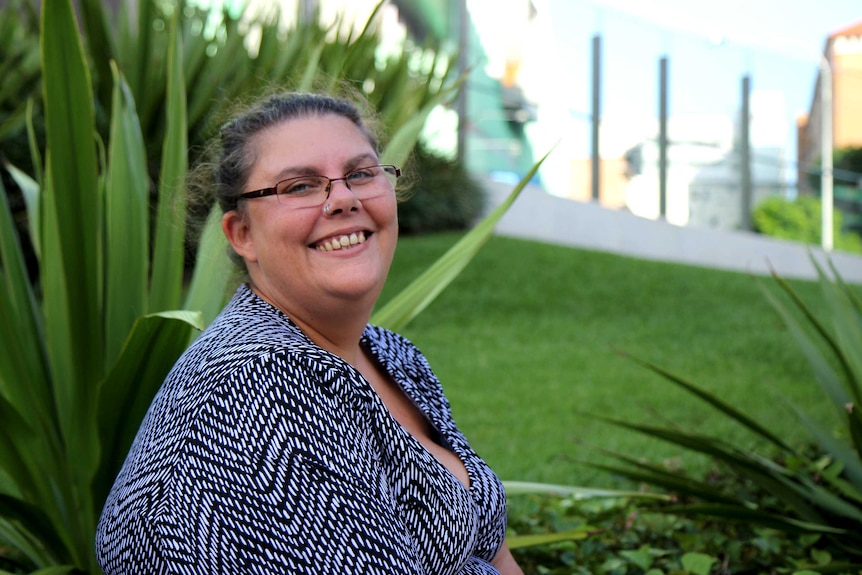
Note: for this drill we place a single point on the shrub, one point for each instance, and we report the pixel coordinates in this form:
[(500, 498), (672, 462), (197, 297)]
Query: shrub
[(625, 536), (445, 196), (800, 220)]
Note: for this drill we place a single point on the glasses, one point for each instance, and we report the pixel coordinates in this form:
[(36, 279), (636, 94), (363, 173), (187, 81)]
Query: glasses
[(305, 191)]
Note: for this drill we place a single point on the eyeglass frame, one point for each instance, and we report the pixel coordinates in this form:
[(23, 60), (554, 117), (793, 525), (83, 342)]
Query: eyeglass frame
[(273, 190)]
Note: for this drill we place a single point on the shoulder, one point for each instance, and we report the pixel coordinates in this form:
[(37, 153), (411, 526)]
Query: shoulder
[(252, 364), (395, 350), (409, 367)]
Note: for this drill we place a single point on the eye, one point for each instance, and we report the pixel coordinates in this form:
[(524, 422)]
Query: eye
[(300, 186), (362, 175)]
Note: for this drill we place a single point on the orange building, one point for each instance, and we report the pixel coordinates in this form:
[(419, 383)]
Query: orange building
[(613, 180), (843, 53)]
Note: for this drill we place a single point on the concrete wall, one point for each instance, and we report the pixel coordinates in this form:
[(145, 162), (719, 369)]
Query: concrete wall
[(539, 216)]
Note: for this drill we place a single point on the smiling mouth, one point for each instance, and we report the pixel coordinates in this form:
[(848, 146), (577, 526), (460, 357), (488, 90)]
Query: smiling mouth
[(341, 243)]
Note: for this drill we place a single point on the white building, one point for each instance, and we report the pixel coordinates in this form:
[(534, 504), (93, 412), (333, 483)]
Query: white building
[(704, 176)]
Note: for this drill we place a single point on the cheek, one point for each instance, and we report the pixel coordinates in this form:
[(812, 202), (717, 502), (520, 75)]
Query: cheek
[(387, 211), (281, 227)]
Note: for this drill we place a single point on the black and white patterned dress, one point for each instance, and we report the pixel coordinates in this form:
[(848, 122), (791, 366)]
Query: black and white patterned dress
[(263, 453)]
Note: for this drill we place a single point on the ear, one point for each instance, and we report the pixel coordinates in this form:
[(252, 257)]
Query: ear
[(237, 231)]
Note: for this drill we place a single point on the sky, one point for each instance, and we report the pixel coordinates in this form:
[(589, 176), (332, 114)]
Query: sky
[(709, 45)]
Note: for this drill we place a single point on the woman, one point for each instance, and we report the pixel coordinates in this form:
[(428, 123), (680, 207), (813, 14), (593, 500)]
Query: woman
[(293, 437)]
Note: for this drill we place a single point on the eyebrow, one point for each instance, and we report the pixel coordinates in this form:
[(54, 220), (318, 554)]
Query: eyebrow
[(299, 171)]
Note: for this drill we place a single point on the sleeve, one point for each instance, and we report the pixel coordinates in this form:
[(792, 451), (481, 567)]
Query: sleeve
[(274, 475)]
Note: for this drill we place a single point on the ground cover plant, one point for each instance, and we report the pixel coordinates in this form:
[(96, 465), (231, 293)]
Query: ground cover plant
[(622, 536)]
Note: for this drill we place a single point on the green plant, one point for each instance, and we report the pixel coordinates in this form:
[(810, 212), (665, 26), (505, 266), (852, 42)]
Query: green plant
[(19, 65), (846, 168), (227, 57), (817, 492), (87, 345), (230, 57), (446, 196), (800, 220), (82, 348), (579, 533)]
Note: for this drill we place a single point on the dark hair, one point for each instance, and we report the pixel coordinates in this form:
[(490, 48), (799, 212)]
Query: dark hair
[(235, 156)]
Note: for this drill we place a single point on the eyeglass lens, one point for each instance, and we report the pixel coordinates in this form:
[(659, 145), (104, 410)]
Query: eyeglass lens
[(365, 182)]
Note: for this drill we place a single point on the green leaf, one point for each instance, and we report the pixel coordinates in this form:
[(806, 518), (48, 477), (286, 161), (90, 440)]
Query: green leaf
[(651, 474), (73, 255), (402, 142), (838, 449), (578, 493), (826, 376), (22, 354), (152, 348), (642, 557), (101, 45), (312, 68), (424, 289), (714, 401), (30, 191), (56, 570), (35, 522), (741, 514), (127, 222), (697, 563), (208, 290), (769, 476), (17, 438), (71, 271), (169, 251), (522, 541)]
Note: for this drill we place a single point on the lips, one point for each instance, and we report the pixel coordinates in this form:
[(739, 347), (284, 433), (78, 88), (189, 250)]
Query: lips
[(342, 242)]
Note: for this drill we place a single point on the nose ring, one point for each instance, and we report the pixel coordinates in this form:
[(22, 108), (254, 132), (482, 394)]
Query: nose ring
[(327, 209)]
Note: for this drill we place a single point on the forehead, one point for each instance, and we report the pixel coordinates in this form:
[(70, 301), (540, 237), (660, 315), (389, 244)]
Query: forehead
[(310, 142)]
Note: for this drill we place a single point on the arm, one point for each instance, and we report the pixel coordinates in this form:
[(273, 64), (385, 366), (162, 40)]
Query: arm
[(505, 563)]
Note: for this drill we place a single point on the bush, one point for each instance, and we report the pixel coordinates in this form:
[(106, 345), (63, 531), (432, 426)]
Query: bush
[(630, 536), (800, 220), (445, 196)]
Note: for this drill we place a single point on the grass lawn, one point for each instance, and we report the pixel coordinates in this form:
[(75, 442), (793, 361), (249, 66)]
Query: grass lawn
[(526, 344)]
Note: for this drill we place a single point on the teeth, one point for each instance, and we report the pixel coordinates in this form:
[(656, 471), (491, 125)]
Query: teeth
[(343, 242)]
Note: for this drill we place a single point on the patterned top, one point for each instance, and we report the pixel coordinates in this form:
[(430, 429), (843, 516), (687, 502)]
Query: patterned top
[(263, 453)]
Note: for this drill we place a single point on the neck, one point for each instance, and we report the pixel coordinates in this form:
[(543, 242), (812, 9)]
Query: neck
[(337, 333), (337, 328)]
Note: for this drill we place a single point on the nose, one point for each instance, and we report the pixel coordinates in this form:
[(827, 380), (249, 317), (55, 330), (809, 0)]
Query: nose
[(337, 202)]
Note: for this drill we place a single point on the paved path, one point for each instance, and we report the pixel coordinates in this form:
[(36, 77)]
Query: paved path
[(539, 216)]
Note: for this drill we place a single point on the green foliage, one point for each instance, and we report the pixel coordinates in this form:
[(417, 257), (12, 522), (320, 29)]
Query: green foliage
[(65, 399), (848, 165), (800, 220), (445, 197), (846, 168), (625, 536), (817, 492), (227, 60), (19, 68)]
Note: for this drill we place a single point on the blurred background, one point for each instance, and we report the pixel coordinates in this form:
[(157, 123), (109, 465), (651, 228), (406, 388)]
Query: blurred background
[(690, 112)]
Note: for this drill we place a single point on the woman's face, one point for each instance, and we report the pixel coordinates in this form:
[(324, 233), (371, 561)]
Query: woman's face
[(281, 244)]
